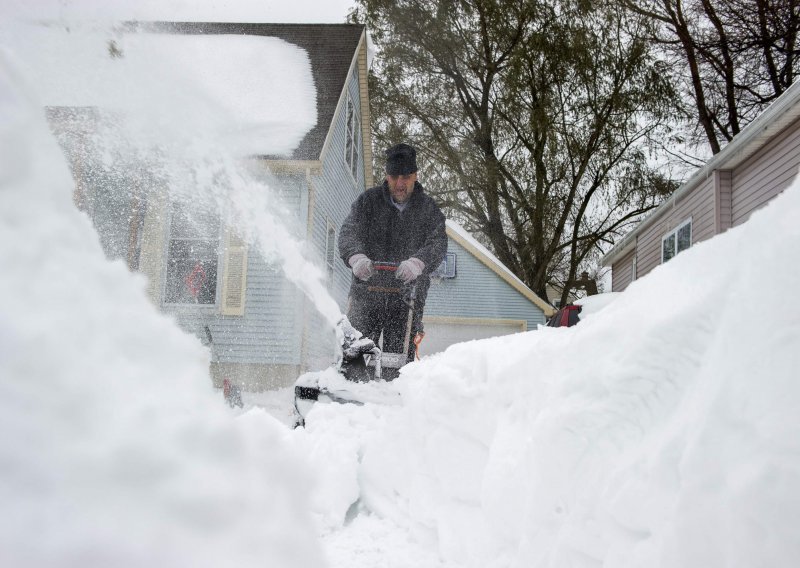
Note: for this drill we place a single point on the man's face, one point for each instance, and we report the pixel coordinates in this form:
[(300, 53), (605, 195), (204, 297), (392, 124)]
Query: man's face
[(401, 187)]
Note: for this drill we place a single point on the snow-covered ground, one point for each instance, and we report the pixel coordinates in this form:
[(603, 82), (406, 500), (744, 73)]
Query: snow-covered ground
[(661, 431)]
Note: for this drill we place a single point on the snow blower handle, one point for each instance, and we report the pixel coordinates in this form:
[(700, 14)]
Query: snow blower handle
[(385, 271), (385, 266)]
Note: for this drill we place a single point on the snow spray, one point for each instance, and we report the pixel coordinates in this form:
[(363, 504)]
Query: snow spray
[(185, 112)]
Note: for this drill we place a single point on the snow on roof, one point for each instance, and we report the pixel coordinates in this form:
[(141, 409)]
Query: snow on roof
[(464, 238), (258, 92)]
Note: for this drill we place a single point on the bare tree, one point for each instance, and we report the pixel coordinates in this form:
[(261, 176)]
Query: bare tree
[(740, 54)]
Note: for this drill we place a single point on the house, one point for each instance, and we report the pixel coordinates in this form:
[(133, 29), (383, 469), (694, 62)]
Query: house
[(262, 330), (475, 296), (758, 164)]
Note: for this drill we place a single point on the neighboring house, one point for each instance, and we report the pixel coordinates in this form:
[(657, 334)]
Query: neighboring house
[(758, 164), (476, 296)]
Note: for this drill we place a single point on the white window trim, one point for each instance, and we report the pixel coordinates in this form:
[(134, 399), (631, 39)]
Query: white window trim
[(179, 306), (437, 274), (356, 135), (674, 233)]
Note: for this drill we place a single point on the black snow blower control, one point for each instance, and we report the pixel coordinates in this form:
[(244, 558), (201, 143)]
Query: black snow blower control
[(360, 360)]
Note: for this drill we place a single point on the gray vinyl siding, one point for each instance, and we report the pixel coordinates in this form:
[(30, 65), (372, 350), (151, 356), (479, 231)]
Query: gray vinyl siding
[(269, 331), (478, 292), (765, 174), (335, 189), (266, 334), (622, 272)]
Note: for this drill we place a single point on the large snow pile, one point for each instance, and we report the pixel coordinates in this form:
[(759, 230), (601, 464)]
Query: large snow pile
[(116, 451), (662, 431)]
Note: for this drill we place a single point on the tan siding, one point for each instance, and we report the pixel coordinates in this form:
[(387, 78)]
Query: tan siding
[(622, 272), (649, 248), (697, 205), (766, 174), (723, 182), (757, 166)]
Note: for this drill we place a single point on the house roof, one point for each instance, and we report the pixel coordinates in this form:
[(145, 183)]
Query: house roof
[(460, 235), (780, 114), (330, 47)]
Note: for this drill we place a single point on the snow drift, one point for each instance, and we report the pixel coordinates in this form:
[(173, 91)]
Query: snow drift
[(660, 431), (116, 451)]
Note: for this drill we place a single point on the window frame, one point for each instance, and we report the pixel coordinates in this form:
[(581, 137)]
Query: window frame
[(446, 273), (673, 234), (352, 127), (218, 247)]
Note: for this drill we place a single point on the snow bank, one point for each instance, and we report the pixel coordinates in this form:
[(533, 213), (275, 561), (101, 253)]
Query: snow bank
[(662, 431), (116, 450)]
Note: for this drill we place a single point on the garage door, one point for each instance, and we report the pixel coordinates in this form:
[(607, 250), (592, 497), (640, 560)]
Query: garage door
[(440, 332)]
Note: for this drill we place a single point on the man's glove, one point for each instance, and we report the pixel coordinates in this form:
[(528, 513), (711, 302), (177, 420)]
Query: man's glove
[(409, 270), (362, 266)]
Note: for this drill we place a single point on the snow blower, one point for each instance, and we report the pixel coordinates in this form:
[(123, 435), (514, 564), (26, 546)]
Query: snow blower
[(360, 363)]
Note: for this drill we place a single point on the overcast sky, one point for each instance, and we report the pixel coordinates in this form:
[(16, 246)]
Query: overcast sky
[(293, 11)]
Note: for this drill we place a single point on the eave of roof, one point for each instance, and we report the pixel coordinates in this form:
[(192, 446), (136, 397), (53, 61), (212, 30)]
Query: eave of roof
[(498, 268), (780, 114), (330, 47)]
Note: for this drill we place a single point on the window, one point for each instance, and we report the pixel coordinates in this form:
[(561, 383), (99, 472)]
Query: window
[(353, 139), (448, 267), (192, 257), (676, 241), (330, 252)]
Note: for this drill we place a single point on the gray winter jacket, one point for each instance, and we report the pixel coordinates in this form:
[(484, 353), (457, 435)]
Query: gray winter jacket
[(376, 228)]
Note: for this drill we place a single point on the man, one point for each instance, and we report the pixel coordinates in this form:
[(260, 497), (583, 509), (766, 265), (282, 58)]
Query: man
[(394, 222)]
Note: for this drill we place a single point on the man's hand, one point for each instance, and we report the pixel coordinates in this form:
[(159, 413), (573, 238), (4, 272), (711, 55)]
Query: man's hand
[(362, 266), (409, 270)]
